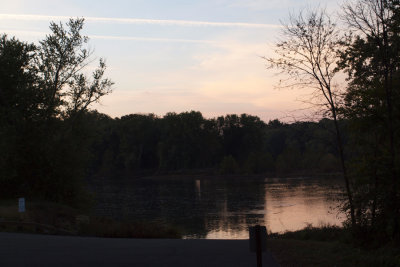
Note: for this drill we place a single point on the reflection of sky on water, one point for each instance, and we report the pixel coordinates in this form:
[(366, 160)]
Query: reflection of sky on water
[(293, 204), (223, 208)]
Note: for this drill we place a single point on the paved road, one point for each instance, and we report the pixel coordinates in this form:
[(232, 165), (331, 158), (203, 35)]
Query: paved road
[(46, 250)]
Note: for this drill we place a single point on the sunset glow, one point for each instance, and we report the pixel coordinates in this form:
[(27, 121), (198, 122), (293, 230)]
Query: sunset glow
[(176, 57)]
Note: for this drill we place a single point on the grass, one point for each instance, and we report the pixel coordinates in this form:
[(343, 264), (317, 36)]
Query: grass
[(53, 218), (327, 246), (321, 233)]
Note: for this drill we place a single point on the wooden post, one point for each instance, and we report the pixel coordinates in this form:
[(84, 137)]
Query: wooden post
[(258, 246), (258, 241)]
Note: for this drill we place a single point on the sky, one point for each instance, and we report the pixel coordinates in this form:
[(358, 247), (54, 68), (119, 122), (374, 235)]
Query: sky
[(177, 55)]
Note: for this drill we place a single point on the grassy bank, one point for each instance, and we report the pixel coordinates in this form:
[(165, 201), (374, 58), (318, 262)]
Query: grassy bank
[(53, 218), (328, 246), (321, 246)]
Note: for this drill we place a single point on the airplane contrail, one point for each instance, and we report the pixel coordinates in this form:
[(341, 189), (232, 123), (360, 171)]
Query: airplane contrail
[(139, 21), (110, 37)]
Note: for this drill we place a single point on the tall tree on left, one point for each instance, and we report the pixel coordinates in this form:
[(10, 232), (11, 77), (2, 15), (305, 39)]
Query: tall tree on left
[(62, 56), (45, 95), (19, 104)]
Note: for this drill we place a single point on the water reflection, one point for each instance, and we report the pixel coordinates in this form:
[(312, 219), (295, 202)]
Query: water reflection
[(295, 203), (222, 208), (198, 188)]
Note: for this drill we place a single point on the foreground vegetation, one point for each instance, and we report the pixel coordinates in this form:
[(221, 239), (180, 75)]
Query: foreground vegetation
[(52, 218), (329, 246)]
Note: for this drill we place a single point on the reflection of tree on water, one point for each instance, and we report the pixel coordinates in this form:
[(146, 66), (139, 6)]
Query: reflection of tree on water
[(198, 188), (212, 208), (240, 198), (197, 206)]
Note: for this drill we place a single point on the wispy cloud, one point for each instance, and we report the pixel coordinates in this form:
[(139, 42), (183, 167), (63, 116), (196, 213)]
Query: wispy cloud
[(119, 38), (262, 4), (187, 23), (147, 39), (280, 4), (24, 33)]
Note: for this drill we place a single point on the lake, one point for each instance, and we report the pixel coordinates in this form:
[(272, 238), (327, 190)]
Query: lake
[(223, 208)]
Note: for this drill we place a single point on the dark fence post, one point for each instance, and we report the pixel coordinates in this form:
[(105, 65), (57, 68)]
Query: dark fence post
[(258, 241), (258, 246)]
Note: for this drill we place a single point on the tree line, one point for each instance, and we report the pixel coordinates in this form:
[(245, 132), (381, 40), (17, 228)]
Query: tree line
[(231, 144)]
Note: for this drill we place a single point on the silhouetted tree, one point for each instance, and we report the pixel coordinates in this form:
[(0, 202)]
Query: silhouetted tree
[(45, 97), (308, 54), (61, 59), (19, 108), (372, 61)]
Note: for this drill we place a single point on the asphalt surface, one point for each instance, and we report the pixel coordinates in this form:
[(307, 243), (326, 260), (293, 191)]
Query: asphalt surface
[(47, 250)]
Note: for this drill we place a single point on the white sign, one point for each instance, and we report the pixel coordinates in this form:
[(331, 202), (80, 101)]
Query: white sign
[(21, 204)]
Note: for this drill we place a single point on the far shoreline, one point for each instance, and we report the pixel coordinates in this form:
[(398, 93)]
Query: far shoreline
[(195, 175)]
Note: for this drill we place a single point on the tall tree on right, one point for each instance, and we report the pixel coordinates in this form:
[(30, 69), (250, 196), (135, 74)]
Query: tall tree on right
[(372, 103), (308, 56)]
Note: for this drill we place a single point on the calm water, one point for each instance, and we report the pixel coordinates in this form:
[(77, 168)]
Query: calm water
[(220, 208)]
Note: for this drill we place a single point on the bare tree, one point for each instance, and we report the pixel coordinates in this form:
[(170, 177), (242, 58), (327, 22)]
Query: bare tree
[(307, 54)]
